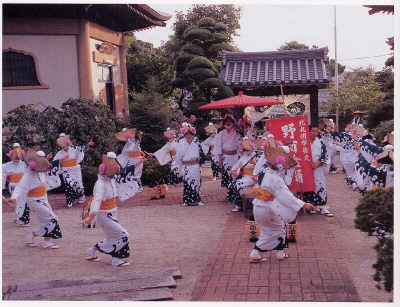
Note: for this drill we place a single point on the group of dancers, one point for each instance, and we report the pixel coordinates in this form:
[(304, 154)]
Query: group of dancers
[(237, 154), (366, 165), (30, 174)]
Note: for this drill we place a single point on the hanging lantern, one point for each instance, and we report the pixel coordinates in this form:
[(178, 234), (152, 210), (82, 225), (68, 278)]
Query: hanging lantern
[(252, 229), (292, 231)]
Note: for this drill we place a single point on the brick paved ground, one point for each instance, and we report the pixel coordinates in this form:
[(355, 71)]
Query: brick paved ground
[(315, 270)]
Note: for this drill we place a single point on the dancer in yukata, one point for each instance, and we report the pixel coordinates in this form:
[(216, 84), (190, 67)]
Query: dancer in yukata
[(209, 144), (131, 153), (32, 188), (248, 128), (227, 144), (319, 160), (191, 157), (12, 173), (274, 205), (242, 172), (167, 154), (103, 209), (70, 157)]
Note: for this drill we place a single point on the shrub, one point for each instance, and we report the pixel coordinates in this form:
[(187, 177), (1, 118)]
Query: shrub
[(202, 34), (375, 217), (84, 120), (382, 129), (200, 74), (89, 178), (193, 49), (153, 171), (380, 112)]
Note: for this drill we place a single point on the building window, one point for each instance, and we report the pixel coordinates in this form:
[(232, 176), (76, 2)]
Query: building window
[(19, 70)]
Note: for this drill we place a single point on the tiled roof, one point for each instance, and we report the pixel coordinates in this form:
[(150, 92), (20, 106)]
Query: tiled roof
[(271, 68)]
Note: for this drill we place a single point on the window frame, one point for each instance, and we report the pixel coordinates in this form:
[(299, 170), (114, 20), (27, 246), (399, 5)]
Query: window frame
[(41, 85)]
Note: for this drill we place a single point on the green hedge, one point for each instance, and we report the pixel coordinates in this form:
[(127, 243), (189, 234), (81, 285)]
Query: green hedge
[(153, 171), (374, 215)]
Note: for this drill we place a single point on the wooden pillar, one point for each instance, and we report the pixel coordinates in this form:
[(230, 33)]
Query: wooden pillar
[(314, 104), (124, 77), (84, 61)]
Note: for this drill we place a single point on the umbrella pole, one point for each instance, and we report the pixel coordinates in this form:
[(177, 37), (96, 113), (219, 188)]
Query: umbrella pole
[(283, 100)]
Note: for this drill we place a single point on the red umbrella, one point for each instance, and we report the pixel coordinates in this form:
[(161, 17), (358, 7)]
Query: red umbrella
[(240, 101)]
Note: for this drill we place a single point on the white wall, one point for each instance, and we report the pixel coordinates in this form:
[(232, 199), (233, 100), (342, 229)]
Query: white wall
[(56, 57), (98, 85)]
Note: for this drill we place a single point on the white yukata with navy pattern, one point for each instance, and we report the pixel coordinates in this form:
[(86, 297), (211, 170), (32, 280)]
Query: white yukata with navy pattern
[(48, 226), (192, 173)]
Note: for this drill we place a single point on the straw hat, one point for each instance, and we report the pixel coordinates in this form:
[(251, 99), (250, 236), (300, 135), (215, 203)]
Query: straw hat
[(109, 165), (188, 128), (169, 133), (260, 143), (276, 157), (16, 153), (248, 145), (63, 141), (358, 112), (125, 134), (211, 128), (35, 161), (356, 129)]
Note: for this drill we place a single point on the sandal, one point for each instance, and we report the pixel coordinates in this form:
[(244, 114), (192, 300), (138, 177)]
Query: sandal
[(30, 244), (282, 258), (257, 260), (94, 259), (123, 263), (51, 246)]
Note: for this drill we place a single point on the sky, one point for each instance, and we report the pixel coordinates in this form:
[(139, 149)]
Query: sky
[(266, 27)]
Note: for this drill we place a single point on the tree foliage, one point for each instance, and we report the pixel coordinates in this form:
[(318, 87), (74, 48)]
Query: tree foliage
[(359, 91), (150, 112), (80, 118), (226, 18), (143, 61), (200, 61), (374, 215)]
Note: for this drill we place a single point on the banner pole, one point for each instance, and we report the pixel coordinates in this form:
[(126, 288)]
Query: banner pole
[(283, 100)]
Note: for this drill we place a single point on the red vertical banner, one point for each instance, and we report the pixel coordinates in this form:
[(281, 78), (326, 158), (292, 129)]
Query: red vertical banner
[(295, 131)]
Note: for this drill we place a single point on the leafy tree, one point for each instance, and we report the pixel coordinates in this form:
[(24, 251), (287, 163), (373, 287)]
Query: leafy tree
[(151, 113), (293, 45), (381, 130), (197, 68), (359, 91), (144, 61), (225, 14)]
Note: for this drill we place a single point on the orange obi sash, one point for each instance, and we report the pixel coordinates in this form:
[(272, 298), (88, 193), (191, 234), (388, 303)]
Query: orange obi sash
[(229, 152), (38, 192), (15, 178), (262, 195), (69, 163), (248, 171), (107, 204), (376, 163), (374, 187), (173, 152), (135, 154), (212, 147)]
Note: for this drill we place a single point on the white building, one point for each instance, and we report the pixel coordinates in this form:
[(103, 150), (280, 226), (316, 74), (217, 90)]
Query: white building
[(52, 52)]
